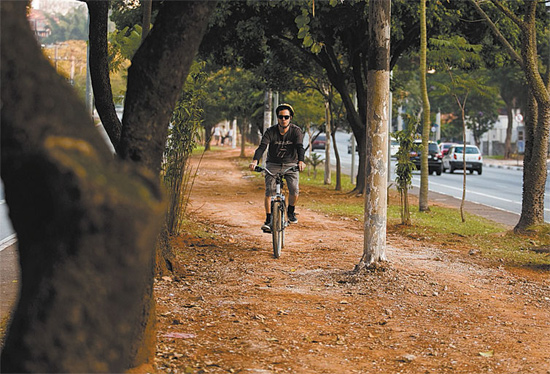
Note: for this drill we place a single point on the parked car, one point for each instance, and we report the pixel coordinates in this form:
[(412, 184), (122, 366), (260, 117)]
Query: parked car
[(319, 142), (434, 157), (444, 147), (454, 159)]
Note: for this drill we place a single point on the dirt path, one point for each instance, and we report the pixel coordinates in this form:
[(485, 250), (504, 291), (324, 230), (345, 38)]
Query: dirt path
[(234, 308)]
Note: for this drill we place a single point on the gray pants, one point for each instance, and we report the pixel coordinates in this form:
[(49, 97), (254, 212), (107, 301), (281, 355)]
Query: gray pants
[(292, 179)]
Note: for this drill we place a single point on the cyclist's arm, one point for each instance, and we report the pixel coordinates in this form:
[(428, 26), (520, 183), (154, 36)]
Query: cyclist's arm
[(260, 151), (300, 150)]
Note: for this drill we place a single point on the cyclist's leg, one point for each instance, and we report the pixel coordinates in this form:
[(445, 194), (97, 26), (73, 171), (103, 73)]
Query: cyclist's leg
[(269, 191), (293, 181)]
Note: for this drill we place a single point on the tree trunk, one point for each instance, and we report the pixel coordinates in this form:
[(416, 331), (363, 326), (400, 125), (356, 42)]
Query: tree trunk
[(165, 56), (328, 133), (424, 169), (374, 249), (268, 117), (99, 69), (462, 201), (87, 225), (356, 117), (207, 136), (338, 186), (534, 166), (534, 170), (243, 128), (146, 5), (509, 128), (537, 126)]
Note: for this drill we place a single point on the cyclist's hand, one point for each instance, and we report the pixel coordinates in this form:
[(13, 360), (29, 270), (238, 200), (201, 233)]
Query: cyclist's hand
[(253, 165), (301, 165)]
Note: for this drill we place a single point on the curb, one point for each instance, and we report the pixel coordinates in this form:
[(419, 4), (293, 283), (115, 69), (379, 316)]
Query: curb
[(508, 167)]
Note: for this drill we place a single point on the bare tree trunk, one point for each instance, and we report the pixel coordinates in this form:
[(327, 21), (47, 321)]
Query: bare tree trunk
[(509, 128), (207, 136), (537, 131), (149, 100), (374, 249), (146, 20), (328, 136), (99, 69), (243, 127), (463, 117), (424, 169), (338, 186), (268, 116)]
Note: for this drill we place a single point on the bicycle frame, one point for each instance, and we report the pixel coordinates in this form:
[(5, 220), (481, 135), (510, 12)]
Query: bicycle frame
[(278, 209)]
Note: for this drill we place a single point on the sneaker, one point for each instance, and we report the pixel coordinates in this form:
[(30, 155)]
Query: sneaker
[(266, 227), (292, 218)]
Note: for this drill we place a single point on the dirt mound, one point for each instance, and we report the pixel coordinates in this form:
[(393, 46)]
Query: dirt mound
[(234, 308)]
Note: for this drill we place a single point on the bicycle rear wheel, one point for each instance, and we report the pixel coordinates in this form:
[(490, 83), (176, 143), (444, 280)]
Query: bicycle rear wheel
[(277, 228)]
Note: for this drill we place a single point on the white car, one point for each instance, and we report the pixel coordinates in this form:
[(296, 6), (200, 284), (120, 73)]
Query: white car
[(454, 159)]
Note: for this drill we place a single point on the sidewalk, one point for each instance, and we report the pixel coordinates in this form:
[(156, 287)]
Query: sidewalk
[(507, 164), (503, 164)]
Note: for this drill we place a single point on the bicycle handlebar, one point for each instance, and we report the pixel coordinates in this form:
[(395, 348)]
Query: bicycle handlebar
[(259, 169)]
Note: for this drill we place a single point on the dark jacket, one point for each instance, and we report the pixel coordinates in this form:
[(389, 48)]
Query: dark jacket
[(283, 149)]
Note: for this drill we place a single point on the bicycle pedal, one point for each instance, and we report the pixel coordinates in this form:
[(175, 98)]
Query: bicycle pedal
[(266, 231)]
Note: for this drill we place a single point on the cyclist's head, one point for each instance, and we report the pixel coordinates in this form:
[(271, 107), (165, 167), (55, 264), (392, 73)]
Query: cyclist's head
[(285, 106)]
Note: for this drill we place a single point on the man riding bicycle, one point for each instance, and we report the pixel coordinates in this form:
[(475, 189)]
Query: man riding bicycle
[(286, 149)]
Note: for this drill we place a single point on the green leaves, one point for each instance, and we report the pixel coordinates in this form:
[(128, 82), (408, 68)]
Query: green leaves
[(304, 32)]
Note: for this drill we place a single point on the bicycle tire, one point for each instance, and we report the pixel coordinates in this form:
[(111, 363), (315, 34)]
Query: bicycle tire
[(277, 228)]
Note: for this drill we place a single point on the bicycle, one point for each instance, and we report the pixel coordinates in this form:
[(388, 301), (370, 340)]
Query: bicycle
[(278, 209)]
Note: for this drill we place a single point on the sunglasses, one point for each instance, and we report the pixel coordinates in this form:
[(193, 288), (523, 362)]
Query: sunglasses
[(283, 117)]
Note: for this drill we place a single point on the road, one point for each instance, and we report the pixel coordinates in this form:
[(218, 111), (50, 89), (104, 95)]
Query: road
[(500, 188)]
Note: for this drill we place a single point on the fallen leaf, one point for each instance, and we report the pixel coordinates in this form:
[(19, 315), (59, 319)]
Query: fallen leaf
[(490, 353), (179, 335)]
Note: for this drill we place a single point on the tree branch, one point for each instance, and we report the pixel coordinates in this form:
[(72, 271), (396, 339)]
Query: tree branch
[(515, 56), (166, 55), (504, 9), (99, 69)]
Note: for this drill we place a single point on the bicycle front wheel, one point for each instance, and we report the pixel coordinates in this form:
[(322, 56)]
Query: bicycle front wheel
[(277, 228)]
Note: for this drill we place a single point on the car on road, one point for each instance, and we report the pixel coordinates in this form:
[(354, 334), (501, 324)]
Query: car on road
[(434, 157), (319, 142), (454, 159), (444, 147)]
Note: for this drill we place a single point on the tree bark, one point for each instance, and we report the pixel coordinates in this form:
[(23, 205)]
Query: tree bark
[(86, 224), (99, 69), (243, 127), (146, 19), (537, 125), (159, 69), (509, 128), (378, 76), (535, 173), (424, 169), (328, 137)]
